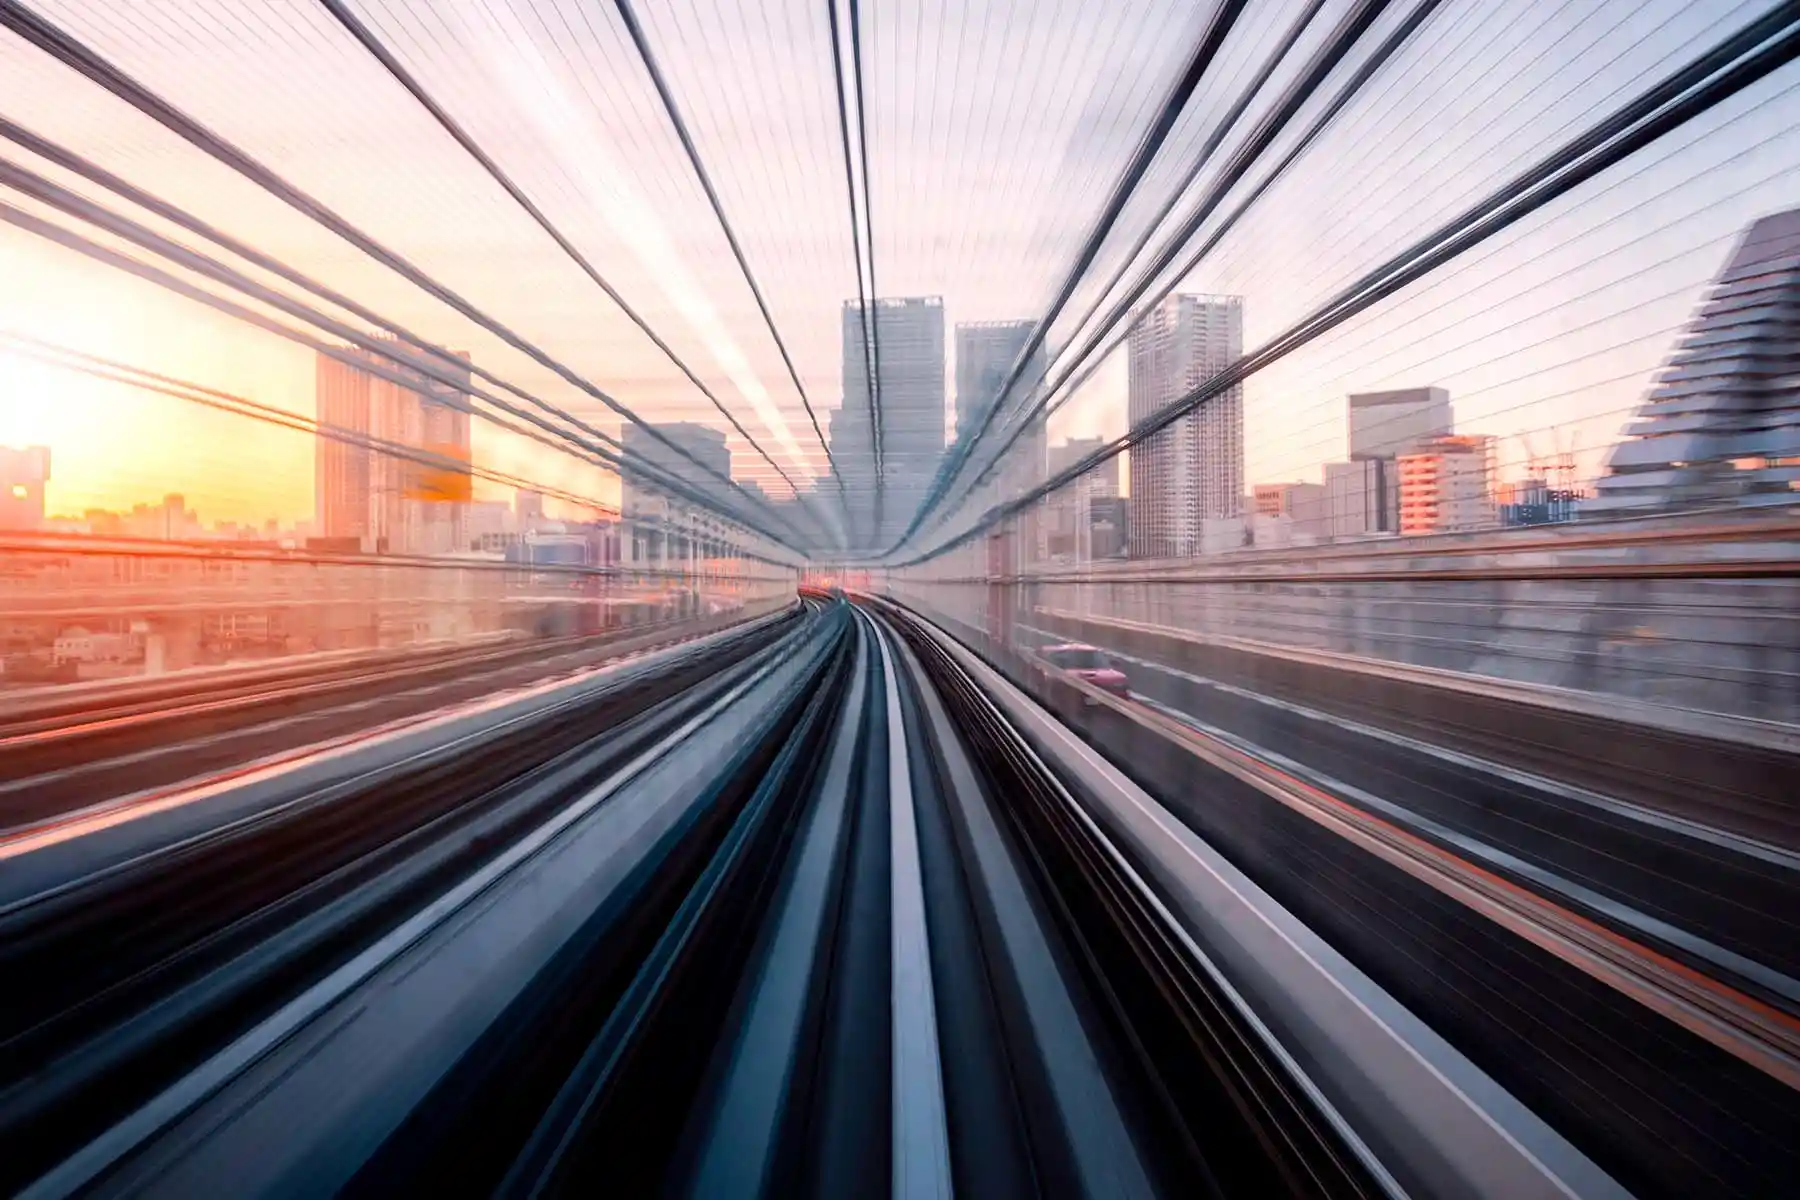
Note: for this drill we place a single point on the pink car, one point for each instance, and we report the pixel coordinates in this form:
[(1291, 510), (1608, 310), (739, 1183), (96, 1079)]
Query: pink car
[(1089, 665)]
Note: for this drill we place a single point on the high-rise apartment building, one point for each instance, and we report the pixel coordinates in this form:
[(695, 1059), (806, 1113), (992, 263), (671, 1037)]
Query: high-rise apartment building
[(986, 352), (23, 474), (906, 335), (641, 496), (854, 450), (1722, 423), (1447, 485), (389, 502), (1192, 472), (341, 468)]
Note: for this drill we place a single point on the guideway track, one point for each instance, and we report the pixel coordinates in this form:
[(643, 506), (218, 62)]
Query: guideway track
[(60, 754), (1712, 900), (1676, 1076), (1216, 1113), (124, 975), (827, 924)]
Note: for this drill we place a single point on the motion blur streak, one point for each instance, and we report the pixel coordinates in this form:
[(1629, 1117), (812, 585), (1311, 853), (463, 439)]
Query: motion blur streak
[(819, 598)]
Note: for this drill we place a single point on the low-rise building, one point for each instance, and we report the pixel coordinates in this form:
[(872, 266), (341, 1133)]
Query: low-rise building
[(1447, 485)]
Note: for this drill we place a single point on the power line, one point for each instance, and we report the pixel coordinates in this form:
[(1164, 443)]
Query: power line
[(42, 189), (22, 180), (1323, 62), (1205, 51), (59, 44), (673, 108), (68, 358), (112, 370), (871, 323), (1728, 68), (864, 297), (361, 32)]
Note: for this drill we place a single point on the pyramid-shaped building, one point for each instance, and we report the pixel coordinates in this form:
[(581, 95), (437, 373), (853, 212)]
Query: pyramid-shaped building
[(1722, 424)]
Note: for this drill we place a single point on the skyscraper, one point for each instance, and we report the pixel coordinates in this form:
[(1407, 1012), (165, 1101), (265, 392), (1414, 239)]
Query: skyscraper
[(442, 497), (853, 449), (640, 494), (907, 335), (391, 503), (1722, 423), (1069, 512), (985, 354), (1191, 472), (341, 468)]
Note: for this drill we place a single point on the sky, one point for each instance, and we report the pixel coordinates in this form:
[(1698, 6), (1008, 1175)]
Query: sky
[(995, 132)]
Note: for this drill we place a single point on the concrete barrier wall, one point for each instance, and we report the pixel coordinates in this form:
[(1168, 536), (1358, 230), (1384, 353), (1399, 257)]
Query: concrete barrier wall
[(1730, 774), (1699, 613), (1727, 646), (1695, 773)]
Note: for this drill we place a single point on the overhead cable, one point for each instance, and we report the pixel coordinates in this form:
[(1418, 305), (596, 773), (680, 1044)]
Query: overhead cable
[(1205, 51), (1083, 362), (69, 358), (865, 297), (1728, 68), (355, 26), (671, 106), (58, 43), (558, 439)]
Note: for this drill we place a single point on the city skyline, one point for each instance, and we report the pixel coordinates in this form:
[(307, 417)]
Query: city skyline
[(1007, 335), (66, 496), (1521, 474)]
